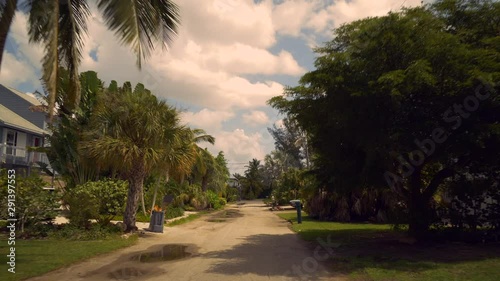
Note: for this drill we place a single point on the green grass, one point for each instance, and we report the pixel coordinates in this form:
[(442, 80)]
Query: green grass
[(342, 232), (187, 219), (36, 257), (374, 252)]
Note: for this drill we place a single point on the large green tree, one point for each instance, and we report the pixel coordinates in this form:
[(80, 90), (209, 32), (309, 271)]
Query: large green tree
[(68, 131), (409, 100), (60, 27), (138, 136), (291, 141)]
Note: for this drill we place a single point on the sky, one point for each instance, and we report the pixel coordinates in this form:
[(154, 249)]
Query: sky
[(229, 58)]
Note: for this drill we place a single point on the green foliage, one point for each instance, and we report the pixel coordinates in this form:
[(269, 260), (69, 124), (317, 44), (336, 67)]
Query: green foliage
[(67, 133), (33, 204), (197, 198), (138, 134), (173, 212), (94, 232), (289, 140), (221, 173), (222, 201), (252, 182), (214, 201), (231, 193), (384, 86), (101, 200)]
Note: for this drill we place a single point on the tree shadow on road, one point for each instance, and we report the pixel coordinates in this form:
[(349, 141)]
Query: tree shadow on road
[(283, 255)]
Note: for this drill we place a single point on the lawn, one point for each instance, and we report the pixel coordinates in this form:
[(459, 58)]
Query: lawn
[(187, 219), (375, 252), (36, 257)]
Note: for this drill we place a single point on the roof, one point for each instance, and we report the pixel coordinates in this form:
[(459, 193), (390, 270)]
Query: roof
[(24, 96), (10, 118)]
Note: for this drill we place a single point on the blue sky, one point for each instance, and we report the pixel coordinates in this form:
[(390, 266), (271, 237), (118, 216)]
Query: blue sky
[(229, 58)]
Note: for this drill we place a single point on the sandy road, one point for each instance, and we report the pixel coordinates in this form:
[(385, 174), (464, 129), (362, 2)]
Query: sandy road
[(244, 242)]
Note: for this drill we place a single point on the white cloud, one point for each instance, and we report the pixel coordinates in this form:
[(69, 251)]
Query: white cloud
[(290, 16), (208, 120), (239, 147), (256, 118), (20, 67), (30, 53), (228, 21), (15, 72), (245, 59)]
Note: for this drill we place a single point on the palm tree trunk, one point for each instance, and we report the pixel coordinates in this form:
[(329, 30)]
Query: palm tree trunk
[(136, 180), (9, 11), (142, 202), (167, 176), (204, 182), (154, 194)]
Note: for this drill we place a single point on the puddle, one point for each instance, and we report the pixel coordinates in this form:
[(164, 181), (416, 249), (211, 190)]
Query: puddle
[(230, 214), (166, 253), (216, 220)]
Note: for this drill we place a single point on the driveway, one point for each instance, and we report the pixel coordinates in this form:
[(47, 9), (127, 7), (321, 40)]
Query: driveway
[(243, 242)]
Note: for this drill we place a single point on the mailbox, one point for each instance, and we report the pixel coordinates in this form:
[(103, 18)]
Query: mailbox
[(298, 205)]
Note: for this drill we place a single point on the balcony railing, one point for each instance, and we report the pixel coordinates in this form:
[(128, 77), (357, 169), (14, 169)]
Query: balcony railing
[(15, 155)]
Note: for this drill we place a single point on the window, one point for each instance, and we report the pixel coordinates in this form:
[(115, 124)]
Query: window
[(10, 141), (37, 141)]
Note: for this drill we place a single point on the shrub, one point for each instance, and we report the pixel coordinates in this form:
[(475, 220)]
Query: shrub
[(199, 202), (214, 201), (232, 194), (222, 201), (189, 208), (101, 200), (33, 204), (94, 232), (173, 212)]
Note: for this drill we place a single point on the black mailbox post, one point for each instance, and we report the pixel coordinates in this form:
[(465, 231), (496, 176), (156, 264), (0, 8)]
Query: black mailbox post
[(298, 206)]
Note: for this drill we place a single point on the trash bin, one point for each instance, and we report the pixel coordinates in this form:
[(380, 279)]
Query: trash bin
[(156, 222)]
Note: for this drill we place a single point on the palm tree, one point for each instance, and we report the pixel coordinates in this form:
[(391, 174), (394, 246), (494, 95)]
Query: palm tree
[(60, 26), (178, 156), (138, 135), (204, 159), (253, 179)]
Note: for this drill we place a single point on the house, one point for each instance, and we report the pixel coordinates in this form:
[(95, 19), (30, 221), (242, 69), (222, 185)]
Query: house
[(21, 127)]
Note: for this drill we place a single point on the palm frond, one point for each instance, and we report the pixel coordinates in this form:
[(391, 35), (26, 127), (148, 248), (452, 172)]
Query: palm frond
[(73, 26), (43, 27), (139, 23), (200, 135), (7, 13)]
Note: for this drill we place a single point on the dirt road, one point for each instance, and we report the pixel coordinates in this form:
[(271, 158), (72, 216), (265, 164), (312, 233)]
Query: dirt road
[(243, 242)]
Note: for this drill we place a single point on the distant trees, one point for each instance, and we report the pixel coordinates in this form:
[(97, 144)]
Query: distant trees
[(407, 102)]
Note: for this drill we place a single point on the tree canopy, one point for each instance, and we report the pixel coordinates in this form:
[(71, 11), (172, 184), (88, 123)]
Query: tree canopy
[(407, 101)]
